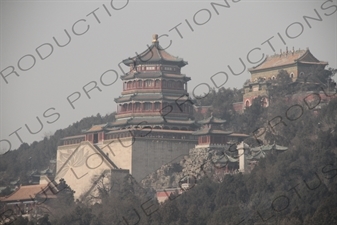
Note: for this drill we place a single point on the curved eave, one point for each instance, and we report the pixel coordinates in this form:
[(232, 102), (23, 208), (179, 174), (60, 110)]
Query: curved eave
[(315, 63), (213, 132), (212, 120), (226, 159), (122, 99), (153, 121), (269, 148), (146, 98), (179, 63), (214, 123), (272, 67), (140, 75), (255, 67), (180, 121)]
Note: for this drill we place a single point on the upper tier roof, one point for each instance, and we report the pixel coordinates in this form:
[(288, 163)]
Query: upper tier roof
[(288, 58), (210, 130), (155, 54), (212, 120), (152, 97), (152, 121)]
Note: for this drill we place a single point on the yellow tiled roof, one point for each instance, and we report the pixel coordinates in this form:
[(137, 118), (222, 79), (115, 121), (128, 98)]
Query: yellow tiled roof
[(27, 192), (291, 57)]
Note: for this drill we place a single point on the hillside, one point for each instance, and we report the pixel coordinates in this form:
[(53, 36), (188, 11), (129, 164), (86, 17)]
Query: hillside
[(295, 187), (16, 165)]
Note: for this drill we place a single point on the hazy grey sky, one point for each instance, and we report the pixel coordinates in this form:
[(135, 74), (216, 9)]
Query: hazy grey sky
[(221, 35)]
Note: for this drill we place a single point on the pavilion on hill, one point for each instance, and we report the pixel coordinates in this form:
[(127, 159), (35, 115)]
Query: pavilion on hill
[(28, 200), (212, 134), (297, 63), (153, 126), (245, 158)]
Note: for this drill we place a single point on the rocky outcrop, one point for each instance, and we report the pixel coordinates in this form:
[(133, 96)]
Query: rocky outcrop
[(199, 163)]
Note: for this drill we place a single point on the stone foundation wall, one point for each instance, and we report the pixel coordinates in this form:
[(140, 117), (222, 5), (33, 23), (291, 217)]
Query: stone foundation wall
[(149, 154), (140, 157)]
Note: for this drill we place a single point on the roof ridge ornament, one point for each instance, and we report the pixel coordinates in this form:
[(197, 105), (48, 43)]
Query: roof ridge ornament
[(155, 38)]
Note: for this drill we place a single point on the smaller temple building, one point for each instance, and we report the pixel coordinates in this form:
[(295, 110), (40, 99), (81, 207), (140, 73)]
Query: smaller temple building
[(297, 63), (212, 134), (27, 201)]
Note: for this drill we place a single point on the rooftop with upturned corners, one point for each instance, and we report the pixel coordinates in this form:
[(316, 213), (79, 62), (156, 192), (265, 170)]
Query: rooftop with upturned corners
[(287, 58), (27, 192)]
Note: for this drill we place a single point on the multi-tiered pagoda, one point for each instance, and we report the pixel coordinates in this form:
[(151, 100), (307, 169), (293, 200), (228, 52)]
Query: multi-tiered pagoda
[(153, 125), (155, 92)]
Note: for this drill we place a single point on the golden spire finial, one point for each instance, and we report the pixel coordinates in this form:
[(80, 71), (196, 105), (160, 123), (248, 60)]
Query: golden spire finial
[(155, 38)]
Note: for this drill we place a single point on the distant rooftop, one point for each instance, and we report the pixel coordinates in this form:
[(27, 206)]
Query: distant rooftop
[(288, 58)]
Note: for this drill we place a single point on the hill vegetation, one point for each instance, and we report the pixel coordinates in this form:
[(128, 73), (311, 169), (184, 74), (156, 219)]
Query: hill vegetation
[(296, 187), (20, 163)]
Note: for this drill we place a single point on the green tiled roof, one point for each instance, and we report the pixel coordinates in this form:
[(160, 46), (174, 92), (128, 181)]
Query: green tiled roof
[(225, 159), (153, 120), (211, 131), (151, 97), (270, 147), (212, 120)]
